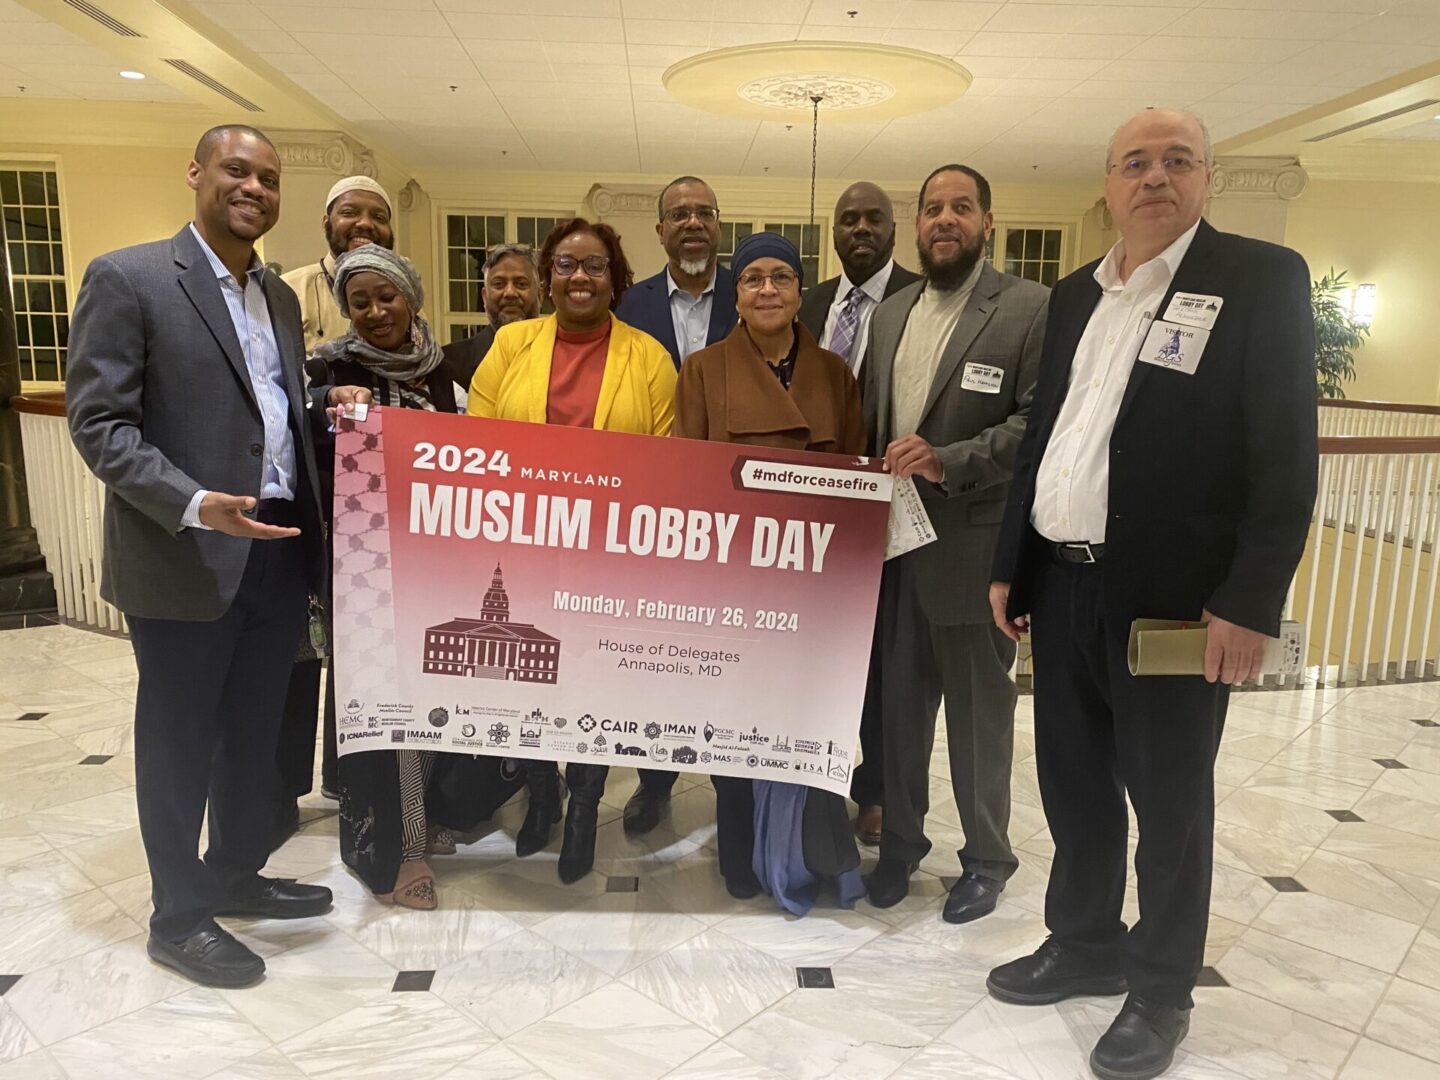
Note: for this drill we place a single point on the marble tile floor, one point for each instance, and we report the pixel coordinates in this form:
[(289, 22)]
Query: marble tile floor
[(1323, 957)]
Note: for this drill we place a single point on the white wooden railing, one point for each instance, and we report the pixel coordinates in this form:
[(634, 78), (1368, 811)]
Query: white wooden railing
[(1365, 590), (1367, 585), (67, 509)]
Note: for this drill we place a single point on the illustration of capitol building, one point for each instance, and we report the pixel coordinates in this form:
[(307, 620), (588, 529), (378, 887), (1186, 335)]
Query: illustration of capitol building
[(492, 647)]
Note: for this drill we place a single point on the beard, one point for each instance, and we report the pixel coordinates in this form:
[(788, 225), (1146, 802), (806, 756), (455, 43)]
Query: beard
[(949, 276), (694, 267), (339, 247)]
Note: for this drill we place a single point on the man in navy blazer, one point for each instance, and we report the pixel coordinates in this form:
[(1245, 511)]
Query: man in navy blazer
[(687, 306), (691, 303), (185, 398)]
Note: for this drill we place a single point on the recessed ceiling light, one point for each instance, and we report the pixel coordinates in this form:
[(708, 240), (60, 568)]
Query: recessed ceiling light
[(132, 74)]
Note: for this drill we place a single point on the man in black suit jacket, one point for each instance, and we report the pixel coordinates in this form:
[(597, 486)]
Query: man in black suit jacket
[(838, 313), (1168, 471), (511, 292), (185, 398), (864, 237), (687, 306)]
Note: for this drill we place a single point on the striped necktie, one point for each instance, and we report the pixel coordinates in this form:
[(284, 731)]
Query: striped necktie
[(847, 326)]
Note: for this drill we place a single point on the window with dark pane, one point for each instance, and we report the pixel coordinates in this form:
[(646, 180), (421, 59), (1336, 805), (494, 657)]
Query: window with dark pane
[(731, 233), (31, 225), (1033, 253), (806, 238)]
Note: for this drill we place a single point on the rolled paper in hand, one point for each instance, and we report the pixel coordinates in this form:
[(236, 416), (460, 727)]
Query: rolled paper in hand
[(1173, 647)]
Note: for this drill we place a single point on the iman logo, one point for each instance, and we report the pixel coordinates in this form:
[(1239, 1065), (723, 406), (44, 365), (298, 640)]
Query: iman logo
[(652, 730)]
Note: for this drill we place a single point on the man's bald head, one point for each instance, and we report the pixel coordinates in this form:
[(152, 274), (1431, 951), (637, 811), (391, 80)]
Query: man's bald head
[(1153, 117), (864, 231)]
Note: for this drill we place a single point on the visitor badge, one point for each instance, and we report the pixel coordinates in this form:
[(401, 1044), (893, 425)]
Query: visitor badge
[(1194, 309), (982, 377), (1175, 346)]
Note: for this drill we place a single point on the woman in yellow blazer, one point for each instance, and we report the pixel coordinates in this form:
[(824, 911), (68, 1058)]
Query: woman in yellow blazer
[(585, 368)]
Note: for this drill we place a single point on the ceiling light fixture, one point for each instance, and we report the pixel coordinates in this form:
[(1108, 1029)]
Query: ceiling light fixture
[(779, 81), (132, 75)]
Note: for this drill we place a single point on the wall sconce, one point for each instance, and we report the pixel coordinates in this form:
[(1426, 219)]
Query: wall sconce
[(1361, 303)]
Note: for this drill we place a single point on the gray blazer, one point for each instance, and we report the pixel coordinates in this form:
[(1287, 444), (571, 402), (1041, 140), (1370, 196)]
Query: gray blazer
[(160, 405), (975, 434)]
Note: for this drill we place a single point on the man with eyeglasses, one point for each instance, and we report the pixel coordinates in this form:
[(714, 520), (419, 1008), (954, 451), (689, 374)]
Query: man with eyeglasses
[(511, 292), (947, 381), (687, 306), (1168, 472)]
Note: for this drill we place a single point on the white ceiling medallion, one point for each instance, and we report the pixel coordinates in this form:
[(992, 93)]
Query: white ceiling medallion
[(857, 83), (835, 91)]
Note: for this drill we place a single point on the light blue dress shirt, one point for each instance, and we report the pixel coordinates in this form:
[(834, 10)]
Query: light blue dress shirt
[(690, 314), (250, 315)]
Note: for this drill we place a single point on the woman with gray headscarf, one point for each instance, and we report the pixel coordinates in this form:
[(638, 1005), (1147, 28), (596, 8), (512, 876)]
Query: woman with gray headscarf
[(384, 832)]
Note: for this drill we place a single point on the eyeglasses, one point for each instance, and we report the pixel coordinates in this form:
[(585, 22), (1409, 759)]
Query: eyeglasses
[(594, 265), (1173, 164), (781, 279), (678, 215)]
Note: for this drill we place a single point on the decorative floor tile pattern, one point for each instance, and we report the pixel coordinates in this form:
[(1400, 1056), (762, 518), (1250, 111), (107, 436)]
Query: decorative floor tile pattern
[(1323, 958)]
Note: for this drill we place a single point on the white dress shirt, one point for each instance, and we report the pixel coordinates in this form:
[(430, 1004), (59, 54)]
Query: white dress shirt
[(874, 288), (250, 315), (1072, 487), (690, 315)]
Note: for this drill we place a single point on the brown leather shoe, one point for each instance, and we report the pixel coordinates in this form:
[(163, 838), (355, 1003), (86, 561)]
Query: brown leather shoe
[(868, 823)]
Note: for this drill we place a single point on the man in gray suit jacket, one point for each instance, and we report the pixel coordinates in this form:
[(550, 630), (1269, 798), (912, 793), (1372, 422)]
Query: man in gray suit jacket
[(948, 378), (185, 398)]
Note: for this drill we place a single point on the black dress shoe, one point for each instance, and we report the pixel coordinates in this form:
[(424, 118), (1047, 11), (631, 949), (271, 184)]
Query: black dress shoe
[(210, 957), (889, 882), (277, 898), (1141, 1042), (642, 812), (1053, 973), (746, 888), (972, 897)]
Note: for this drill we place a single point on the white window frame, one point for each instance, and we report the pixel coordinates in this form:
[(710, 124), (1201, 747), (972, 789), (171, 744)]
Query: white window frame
[(55, 163)]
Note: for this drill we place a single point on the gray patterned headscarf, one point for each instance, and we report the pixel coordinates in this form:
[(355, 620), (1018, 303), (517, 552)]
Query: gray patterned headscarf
[(418, 357)]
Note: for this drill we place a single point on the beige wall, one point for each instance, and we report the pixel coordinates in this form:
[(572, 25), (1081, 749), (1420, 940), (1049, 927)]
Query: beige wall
[(113, 196), (1388, 233)]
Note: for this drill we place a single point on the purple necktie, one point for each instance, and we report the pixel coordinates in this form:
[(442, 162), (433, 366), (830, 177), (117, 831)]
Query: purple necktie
[(847, 326)]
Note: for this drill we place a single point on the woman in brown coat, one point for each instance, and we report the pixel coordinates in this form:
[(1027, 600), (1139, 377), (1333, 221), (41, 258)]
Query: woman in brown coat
[(770, 384)]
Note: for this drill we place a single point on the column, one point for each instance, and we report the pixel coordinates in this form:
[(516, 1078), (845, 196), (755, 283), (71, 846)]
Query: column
[(1251, 195)]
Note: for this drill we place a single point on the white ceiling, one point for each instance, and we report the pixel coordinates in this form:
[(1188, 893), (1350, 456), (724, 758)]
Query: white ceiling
[(48, 61), (575, 84)]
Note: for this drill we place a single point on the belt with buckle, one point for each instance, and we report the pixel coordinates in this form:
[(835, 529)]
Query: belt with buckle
[(1079, 553)]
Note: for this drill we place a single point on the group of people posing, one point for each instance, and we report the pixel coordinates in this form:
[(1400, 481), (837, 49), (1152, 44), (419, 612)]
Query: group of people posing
[(1046, 431)]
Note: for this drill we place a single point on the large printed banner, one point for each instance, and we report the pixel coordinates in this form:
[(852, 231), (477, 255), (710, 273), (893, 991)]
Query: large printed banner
[(536, 591)]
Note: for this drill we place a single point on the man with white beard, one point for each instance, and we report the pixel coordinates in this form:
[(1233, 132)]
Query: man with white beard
[(687, 306)]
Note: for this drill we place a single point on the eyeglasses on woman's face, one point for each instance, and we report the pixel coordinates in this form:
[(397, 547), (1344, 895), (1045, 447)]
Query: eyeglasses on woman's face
[(754, 281), (593, 265)]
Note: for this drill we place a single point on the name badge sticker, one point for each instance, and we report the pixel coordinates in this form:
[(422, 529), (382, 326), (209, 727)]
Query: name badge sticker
[(1195, 309), (983, 378), (1174, 346)]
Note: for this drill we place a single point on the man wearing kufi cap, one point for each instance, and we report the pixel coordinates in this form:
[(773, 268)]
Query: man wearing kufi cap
[(357, 211)]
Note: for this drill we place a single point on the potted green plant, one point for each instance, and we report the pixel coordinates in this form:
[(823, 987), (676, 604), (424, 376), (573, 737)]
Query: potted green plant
[(1337, 334)]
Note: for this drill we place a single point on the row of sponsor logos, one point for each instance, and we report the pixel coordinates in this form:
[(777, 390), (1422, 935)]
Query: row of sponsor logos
[(533, 726), (831, 767)]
